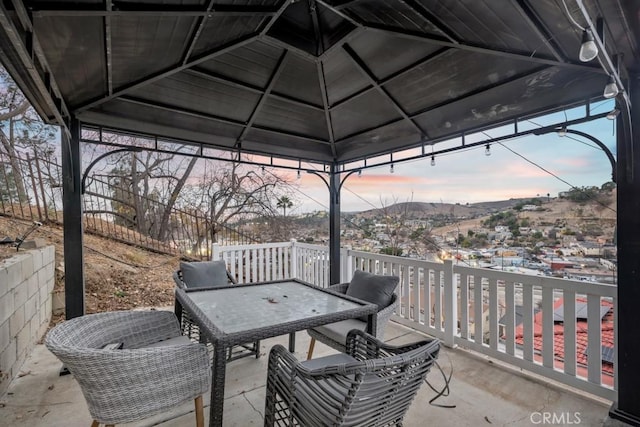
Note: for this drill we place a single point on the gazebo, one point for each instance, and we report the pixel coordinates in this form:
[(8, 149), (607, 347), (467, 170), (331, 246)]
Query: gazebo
[(335, 83)]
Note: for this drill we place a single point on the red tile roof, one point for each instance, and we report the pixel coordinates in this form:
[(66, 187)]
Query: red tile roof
[(581, 339)]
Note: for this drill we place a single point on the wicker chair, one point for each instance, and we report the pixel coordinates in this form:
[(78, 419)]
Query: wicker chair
[(155, 369), (334, 335), (372, 385), (190, 329)]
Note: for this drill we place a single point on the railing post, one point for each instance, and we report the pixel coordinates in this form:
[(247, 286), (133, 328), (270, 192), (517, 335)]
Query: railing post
[(450, 305), (294, 259), (215, 251), (347, 265)]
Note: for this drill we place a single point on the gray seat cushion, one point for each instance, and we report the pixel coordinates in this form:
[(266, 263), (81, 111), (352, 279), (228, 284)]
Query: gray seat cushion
[(204, 273), (338, 331)]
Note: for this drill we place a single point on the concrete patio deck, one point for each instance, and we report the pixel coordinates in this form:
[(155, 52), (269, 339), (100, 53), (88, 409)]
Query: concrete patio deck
[(483, 392)]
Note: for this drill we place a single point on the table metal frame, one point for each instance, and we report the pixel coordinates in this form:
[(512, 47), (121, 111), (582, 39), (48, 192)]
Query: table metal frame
[(185, 300)]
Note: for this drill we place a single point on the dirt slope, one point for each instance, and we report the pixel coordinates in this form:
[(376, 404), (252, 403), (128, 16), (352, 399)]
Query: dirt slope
[(117, 276)]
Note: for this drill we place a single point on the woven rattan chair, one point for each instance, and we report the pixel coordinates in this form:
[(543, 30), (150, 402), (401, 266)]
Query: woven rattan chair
[(190, 329), (335, 334), (155, 368), (372, 385)]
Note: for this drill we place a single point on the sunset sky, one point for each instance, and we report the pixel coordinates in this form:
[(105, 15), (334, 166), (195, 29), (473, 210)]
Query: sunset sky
[(470, 176)]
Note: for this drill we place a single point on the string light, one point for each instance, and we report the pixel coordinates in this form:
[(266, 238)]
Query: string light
[(613, 114), (299, 174), (487, 150), (391, 168), (433, 160), (588, 48), (562, 131), (611, 89), (263, 170), (359, 172)]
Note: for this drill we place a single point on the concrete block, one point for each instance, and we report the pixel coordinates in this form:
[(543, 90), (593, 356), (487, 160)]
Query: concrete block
[(31, 308), (6, 306), (4, 280), (5, 335), (48, 255), (23, 338), (35, 332), (14, 270), (49, 309), (20, 295), (58, 302), (32, 285), (27, 266), (43, 293), (37, 259), (8, 357), (34, 243), (17, 321)]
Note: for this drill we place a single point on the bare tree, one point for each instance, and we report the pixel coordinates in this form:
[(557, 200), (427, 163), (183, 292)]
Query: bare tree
[(21, 130), (229, 191)]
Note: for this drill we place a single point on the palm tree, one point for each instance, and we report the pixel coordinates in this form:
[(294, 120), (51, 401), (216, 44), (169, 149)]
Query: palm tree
[(284, 202)]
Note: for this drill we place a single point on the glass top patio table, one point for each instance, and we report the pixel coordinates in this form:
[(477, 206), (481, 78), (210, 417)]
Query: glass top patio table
[(237, 314)]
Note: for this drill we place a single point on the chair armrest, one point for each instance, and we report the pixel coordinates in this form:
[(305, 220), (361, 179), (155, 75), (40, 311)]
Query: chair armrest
[(339, 287), (177, 277), (383, 316), (363, 346)]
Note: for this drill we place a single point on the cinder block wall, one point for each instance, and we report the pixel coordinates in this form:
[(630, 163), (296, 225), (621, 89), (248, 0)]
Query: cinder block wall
[(26, 286)]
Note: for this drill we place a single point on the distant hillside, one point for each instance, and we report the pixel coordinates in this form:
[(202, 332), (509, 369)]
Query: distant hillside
[(425, 209)]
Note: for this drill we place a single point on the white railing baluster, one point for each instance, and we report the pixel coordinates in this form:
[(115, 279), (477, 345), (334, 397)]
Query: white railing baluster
[(510, 318), (493, 314), (478, 310), (450, 306), (594, 345), (547, 327), (568, 320), (527, 321), (464, 305)]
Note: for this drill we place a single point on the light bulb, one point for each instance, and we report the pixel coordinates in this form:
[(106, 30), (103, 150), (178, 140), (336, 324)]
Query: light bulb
[(487, 150), (391, 168), (433, 160), (263, 170), (611, 89), (299, 175), (588, 49), (360, 172), (562, 131), (613, 114)]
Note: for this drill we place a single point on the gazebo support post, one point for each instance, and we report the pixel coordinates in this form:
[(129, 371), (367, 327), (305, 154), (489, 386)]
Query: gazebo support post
[(72, 222)]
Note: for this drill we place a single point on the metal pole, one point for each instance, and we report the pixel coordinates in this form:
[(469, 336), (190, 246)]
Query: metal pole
[(628, 239), (334, 224), (72, 222)]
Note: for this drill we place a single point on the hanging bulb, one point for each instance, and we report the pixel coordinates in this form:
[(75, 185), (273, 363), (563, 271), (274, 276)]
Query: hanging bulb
[(263, 170), (613, 114), (487, 150), (562, 131), (611, 89), (588, 49), (433, 160), (360, 173), (391, 168), (299, 175)]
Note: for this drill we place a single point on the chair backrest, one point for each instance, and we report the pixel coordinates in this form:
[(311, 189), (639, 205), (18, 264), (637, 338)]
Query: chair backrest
[(376, 390), (205, 274), (103, 373)]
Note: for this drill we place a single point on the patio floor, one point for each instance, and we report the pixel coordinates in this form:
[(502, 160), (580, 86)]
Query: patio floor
[(483, 391)]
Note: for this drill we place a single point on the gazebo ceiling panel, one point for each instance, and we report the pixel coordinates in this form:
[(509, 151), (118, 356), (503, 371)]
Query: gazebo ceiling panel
[(265, 141), (377, 141), (299, 80), (193, 92), (385, 54), (448, 76), (361, 113), (87, 78), (342, 76), (549, 87), (139, 117), (219, 31), (292, 118), (252, 64), (144, 45)]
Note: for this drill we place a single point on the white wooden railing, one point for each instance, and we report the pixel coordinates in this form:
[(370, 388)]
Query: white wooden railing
[(440, 299)]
